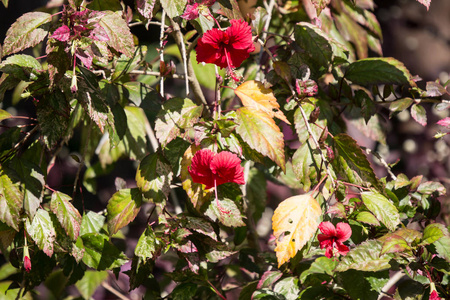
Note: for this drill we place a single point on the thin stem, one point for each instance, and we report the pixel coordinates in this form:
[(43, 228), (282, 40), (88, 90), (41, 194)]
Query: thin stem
[(216, 290), (217, 102), (305, 119), (183, 52), (142, 72), (318, 185), (269, 9), (392, 281), (383, 162), (161, 49), (114, 291)]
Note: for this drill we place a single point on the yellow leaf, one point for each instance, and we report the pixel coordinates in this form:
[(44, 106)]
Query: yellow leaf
[(195, 192), (254, 95), (294, 222)]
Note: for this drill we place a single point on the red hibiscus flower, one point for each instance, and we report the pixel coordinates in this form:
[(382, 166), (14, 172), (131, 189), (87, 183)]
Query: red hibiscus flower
[(213, 169), (27, 264), (332, 238), (226, 49), (434, 296)]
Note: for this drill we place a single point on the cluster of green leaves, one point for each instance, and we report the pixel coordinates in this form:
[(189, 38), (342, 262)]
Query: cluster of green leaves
[(96, 86)]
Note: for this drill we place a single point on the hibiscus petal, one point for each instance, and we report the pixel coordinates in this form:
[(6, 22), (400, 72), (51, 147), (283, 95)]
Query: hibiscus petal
[(342, 249), (343, 232), (200, 170), (226, 166), (240, 34), (328, 229), (211, 54)]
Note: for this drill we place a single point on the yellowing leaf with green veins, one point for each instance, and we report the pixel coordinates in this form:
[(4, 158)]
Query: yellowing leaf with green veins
[(254, 95), (294, 222)]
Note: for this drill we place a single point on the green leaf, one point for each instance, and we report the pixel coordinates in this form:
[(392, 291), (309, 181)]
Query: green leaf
[(300, 125), (7, 82), (176, 114), (100, 254), (400, 105), (67, 214), (256, 188), (352, 163), (268, 279), (288, 287), (430, 187), (174, 8), (382, 208), (28, 31), (7, 235), (145, 8), (184, 291), (368, 218), (147, 245), (365, 257), (90, 282), (306, 163), (5, 3), (319, 49), (91, 223), (322, 265), (204, 72), (101, 5), (21, 66), (363, 285), (381, 70), (153, 178), (53, 112), (394, 243), (32, 182), (42, 231), (122, 208), (443, 247), (10, 201), (432, 233), (120, 37), (419, 114), (227, 213), (215, 256), (261, 133)]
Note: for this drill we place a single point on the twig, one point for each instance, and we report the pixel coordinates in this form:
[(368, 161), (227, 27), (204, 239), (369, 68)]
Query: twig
[(216, 290), (143, 72), (195, 85), (161, 49), (269, 9), (382, 161), (305, 119), (392, 281), (177, 30), (114, 291)]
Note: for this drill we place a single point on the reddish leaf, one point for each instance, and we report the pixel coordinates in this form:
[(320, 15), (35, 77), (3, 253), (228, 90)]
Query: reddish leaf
[(28, 31), (62, 34), (444, 122), (67, 214), (419, 114), (119, 34), (426, 3), (145, 8)]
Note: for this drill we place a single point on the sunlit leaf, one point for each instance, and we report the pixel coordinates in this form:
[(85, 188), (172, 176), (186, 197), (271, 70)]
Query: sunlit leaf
[(255, 96), (122, 208), (426, 3), (294, 222), (419, 114), (261, 133), (91, 223), (365, 257), (120, 37), (28, 31), (153, 178), (176, 114), (67, 214), (42, 231), (90, 282), (10, 201), (228, 213), (432, 233), (394, 243), (100, 254), (24, 67), (147, 244), (174, 8), (382, 208)]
